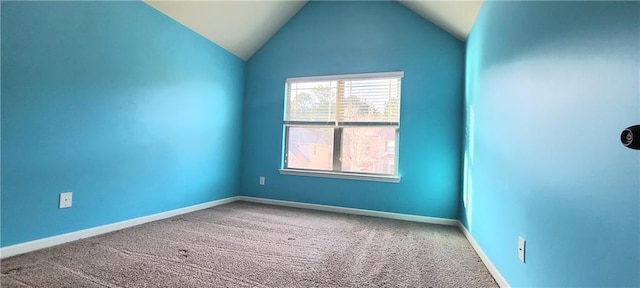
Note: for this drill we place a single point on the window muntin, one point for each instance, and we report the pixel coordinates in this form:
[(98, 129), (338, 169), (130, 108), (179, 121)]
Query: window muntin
[(343, 123)]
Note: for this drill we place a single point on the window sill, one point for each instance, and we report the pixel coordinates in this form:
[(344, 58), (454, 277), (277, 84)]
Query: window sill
[(339, 175)]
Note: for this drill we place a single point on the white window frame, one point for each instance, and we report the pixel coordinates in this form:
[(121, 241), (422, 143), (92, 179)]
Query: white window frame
[(335, 173)]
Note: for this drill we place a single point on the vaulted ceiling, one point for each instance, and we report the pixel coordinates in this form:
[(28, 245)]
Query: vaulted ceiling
[(242, 27)]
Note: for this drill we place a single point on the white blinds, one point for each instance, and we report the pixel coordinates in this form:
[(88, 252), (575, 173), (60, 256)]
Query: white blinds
[(358, 99), (311, 101)]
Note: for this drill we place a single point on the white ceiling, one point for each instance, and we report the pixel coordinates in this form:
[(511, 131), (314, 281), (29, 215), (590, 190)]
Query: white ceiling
[(455, 17), (242, 27)]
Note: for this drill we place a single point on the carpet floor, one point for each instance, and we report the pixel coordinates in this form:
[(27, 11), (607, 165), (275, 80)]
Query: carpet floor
[(253, 245)]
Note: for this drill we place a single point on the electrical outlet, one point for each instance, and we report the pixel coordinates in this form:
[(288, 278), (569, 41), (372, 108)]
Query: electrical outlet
[(261, 180), (521, 248), (65, 199)]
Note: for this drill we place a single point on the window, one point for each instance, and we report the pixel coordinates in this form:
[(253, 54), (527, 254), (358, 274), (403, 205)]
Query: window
[(343, 125)]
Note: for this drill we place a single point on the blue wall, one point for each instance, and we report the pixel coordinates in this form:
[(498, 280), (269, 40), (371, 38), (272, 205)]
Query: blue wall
[(550, 86), (354, 37), (118, 103)]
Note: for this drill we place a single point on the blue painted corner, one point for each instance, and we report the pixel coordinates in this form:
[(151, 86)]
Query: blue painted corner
[(114, 101), (327, 38)]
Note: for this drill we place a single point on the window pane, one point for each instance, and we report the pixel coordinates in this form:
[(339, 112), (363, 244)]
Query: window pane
[(310, 148), (369, 100), (311, 101), (369, 150)]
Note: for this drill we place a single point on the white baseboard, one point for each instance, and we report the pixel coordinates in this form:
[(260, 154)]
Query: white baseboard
[(68, 237), (492, 269), (354, 211)]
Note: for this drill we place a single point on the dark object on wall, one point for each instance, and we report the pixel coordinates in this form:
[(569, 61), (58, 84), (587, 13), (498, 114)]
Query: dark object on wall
[(630, 137)]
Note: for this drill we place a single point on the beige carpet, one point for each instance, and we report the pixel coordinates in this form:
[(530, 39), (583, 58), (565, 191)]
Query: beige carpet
[(252, 245)]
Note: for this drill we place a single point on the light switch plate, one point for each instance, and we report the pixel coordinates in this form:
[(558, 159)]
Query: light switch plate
[(521, 248), (65, 199)]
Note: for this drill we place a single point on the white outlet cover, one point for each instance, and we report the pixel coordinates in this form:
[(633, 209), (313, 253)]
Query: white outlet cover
[(66, 199), (521, 248), (262, 180)]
